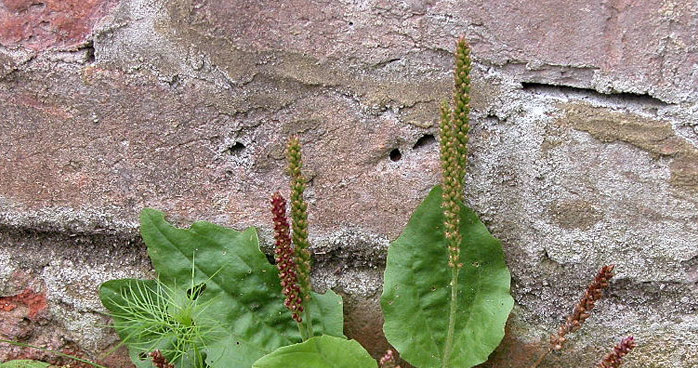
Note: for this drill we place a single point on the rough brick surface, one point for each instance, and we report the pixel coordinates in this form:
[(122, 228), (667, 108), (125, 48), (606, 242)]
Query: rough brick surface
[(584, 149), (42, 24)]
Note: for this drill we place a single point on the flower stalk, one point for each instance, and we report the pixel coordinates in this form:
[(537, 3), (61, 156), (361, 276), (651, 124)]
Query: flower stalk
[(581, 312), (461, 106), (615, 358), (452, 187), (299, 226), (454, 128), (285, 258)]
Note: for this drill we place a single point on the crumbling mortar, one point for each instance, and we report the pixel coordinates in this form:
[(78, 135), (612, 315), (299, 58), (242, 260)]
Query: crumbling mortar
[(617, 100)]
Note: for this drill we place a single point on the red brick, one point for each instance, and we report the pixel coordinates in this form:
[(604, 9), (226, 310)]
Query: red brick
[(44, 24)]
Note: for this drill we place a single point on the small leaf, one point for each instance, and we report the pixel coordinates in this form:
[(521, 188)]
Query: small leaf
[(319, 352), (416, 292), (24, 364), (140, 311)]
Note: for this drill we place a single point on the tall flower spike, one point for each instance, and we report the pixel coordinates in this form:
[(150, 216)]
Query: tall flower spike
[(299, 216), (615, 358), (583, 309), (461, 105), (285, 258), (455, 125), (454, 139), (452, 190)]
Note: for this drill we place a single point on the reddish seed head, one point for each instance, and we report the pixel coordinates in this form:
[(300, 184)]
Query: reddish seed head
[(389, 360), (284, 255), (159, 360), (615, 358), (582, 310)]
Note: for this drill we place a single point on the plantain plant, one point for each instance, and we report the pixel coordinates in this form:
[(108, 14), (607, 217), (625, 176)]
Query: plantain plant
[(446, 291), (219, 303), (232, 298)]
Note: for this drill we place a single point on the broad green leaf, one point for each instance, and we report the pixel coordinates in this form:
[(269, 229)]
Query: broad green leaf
[(24, 364), (327, 316), (327, 310), (319, 352), (242, 290), (416, 292)]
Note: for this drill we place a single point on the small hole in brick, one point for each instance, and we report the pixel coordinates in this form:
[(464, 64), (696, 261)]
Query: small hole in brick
[(90, 55), (426, 140), (235, 149), (88, 50), (37, 6), (395, 155)]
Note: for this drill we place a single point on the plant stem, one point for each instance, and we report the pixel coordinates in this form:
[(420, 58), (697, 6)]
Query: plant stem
[(302, 330), (540, 360), (307, 320), (199, 359), (306, 325), (448, 349)]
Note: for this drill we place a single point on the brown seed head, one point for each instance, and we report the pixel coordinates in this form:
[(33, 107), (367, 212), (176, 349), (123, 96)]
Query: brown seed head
[(582, 310), (285, 256), (615, 358), (159, 360), (389, 360)]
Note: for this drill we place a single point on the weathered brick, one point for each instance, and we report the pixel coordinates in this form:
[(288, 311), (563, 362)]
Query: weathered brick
[(583, 149), (43, 24)]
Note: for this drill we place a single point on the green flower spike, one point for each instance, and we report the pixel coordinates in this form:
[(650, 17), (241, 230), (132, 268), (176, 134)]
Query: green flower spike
[(299, 217), (461, 105), (455, 125)]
